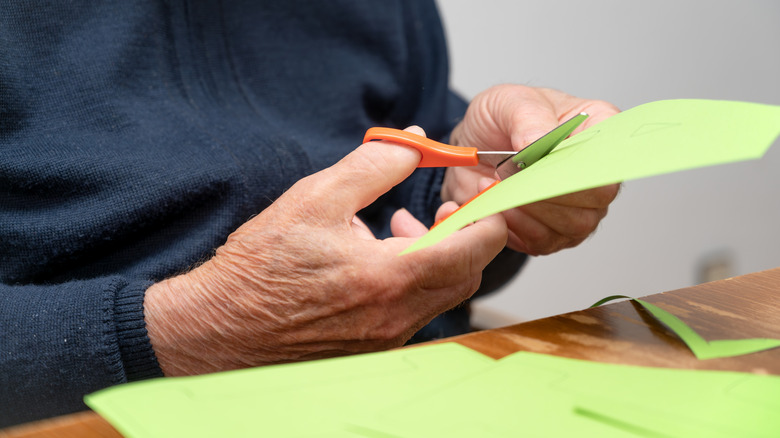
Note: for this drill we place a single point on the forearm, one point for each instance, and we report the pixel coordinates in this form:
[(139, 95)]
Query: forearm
[(189, 325)]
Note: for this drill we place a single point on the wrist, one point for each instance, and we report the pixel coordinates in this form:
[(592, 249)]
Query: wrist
[(162, 324), (176, 312)]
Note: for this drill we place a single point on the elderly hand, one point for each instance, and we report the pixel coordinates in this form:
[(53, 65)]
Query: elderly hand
[(306, 280), (510, 117)]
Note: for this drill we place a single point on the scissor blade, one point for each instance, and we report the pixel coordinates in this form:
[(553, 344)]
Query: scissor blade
[(538, 149), (494, 158)]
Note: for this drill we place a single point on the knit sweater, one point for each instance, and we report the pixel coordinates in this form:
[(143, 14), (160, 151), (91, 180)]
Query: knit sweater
[(136, 135)]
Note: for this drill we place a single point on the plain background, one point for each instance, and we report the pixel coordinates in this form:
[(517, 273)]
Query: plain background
[(665, 232)]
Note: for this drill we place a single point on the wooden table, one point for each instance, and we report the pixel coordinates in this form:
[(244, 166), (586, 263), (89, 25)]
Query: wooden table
[(622, 333)]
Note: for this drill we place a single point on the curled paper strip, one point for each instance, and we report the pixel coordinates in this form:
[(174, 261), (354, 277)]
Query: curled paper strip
[(700, 347)]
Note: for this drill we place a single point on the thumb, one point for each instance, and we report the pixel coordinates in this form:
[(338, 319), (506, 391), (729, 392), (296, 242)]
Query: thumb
[(361, 177)]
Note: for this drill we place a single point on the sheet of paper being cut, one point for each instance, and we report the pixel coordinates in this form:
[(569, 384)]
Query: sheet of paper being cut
[(651, 139)]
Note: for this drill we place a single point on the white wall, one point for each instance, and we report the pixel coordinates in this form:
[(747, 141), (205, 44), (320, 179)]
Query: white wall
[(660, 230)]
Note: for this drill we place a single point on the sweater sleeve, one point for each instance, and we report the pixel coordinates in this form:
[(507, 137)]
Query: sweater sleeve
[(63, 341), (107, 184)]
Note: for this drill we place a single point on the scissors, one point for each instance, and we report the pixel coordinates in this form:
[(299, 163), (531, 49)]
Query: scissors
[(506, 163)]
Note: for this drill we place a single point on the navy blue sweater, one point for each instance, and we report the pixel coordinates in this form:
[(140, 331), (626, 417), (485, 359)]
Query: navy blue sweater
[(136, 135)]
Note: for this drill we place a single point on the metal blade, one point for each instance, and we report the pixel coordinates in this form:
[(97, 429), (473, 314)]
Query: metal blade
[(494, 158), (538, 149)]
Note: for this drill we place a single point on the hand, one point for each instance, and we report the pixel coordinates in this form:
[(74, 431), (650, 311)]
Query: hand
[(510, 117), (305, 279)]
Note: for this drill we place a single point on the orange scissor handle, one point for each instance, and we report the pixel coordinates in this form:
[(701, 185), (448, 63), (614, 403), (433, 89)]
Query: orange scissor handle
[(434, 154)]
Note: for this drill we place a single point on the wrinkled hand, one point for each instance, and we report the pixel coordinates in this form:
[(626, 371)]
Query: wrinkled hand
[(305, 279), (510, 117)]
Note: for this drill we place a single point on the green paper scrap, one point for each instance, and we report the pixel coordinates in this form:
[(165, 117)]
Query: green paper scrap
[(447, 390), (535, 395), (651, 139), (700, 347)]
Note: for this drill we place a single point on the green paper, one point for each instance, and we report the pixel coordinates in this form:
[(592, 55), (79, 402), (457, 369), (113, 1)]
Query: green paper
[(535, 395), (447, 390), (304, 399), (700, 347), (651, 139)]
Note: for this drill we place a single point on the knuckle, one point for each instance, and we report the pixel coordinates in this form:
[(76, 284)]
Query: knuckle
[(308, 185), (476, 281), (539, 250), (546, 243), (585, 224), (303, 199), (357, 166), (606, 194), (367, 160), (392, 334), (534, 236)]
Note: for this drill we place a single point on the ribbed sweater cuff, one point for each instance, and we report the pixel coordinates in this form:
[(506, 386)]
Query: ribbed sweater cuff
[(138, 357)]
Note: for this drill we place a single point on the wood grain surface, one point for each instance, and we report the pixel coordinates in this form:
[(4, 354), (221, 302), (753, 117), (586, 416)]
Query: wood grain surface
[(621, 333)]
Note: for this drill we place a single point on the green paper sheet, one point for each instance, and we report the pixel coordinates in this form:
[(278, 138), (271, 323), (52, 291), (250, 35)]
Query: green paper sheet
[(650, 139), (447, 390), (534, 395), (296, 400), (700, 347)]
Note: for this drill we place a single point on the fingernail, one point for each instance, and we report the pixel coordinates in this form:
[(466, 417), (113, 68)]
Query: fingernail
[(414, 129)]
